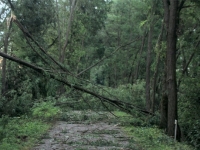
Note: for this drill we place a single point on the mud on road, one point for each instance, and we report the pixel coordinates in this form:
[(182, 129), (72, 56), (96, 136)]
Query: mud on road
[(84, 131)]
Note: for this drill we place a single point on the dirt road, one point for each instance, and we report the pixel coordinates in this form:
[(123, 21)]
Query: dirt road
[(84, 132)]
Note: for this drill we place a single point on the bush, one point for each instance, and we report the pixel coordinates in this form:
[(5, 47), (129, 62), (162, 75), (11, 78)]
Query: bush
[(45, 110), (134, 94)]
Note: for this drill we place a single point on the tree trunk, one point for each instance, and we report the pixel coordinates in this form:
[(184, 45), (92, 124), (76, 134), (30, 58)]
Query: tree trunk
[(5, 42), (59, 30), (158, 46), (3, 78), (171, 66), (148, 67), (164, 112), (139, 57), (71, 17), (62, 56)]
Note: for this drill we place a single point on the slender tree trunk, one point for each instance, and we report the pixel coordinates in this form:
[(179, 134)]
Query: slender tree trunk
[(130, 77), (62, 56), (71, 17), (59, 30), (164, 100), (3, 78), (158, 46), (139, 57), (5, 42), (148, 66)]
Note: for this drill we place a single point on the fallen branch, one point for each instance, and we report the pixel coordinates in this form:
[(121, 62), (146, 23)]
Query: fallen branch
[(121, 105), (27, 34)]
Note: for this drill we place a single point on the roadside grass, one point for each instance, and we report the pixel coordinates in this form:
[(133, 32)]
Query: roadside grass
[(148, 137), (22, 133)]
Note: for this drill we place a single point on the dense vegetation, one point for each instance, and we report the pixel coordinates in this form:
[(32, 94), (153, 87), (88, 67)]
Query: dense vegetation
[(138, 56)]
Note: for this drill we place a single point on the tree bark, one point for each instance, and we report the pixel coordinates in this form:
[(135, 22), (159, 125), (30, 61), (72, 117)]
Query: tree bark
[(164, 111), (171, 66)]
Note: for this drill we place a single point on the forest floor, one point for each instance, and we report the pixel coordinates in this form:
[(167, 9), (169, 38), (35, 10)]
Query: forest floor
[(80, 130)]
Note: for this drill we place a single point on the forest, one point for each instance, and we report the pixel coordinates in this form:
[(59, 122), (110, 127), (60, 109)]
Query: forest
[(135, 58)]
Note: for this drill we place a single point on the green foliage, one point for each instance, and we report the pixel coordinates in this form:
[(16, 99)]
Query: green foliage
[(45, 111), (153, 139), (128, 120), (34, 14), (148, 138), (133, 94), (97, 75), (188, 108), (194, 134), (18, 100), (136, 119), (92, 14), (20, 133), (24, 86)]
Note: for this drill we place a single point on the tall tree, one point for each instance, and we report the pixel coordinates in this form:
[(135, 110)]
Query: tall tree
[(171, 21), (148, 58)]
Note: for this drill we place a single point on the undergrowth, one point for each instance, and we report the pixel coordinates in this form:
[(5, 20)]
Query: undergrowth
[(21, 133), (147, 137)]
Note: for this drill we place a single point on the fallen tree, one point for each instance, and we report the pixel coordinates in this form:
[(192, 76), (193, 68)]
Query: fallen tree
[(124, 106)]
